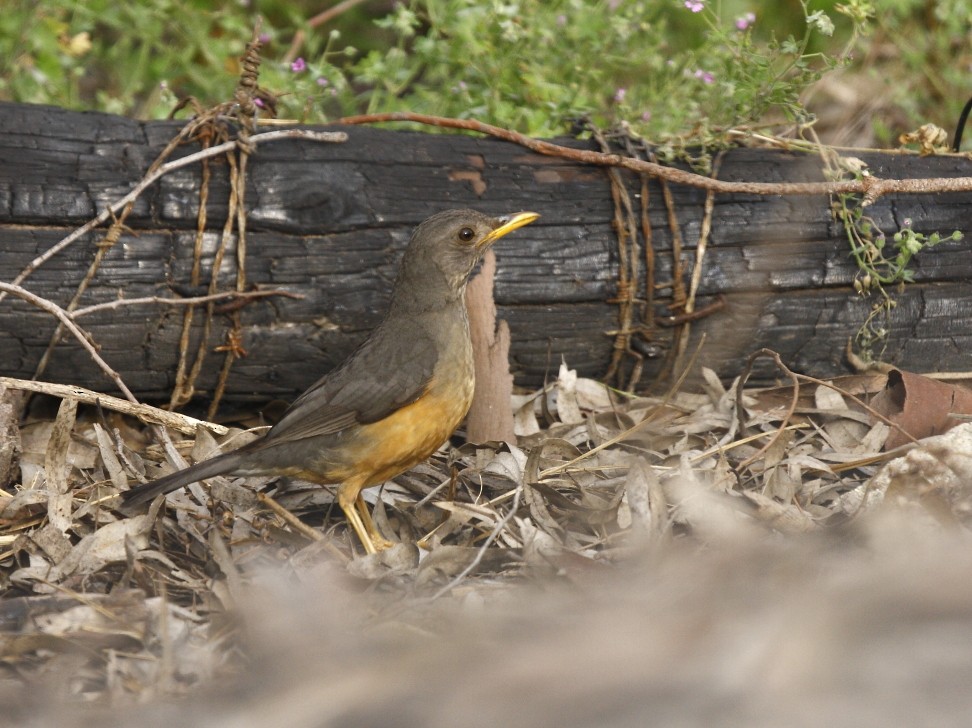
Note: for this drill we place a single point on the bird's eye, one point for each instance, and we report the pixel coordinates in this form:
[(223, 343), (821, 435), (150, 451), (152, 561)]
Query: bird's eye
[(466, 234)]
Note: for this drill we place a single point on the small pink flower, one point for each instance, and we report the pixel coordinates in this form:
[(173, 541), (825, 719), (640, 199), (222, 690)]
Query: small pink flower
[(696, 6), (322, 82), (258, 102), (646, 116), (620, 94), (744, 21), (298, 65), (704, 76)]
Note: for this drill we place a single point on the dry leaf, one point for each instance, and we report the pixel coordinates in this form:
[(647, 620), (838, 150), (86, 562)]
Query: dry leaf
[(567, 408), (102, 547), (920, 406)]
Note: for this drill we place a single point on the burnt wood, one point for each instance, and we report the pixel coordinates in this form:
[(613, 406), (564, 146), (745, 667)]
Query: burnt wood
[(329, 221)]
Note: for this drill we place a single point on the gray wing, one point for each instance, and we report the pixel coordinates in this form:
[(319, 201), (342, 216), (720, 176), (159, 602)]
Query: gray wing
[(376, 380)]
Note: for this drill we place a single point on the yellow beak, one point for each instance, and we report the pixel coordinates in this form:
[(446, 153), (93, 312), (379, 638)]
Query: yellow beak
[(508, 223)]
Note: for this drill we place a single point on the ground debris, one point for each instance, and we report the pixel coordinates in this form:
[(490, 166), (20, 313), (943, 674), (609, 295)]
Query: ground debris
[(149, 605)]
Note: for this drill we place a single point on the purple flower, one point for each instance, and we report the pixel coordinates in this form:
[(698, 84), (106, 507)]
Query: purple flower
[(704, 76), (646, 116), (321, 81), (620, 94), (744, 21), (258, 102), (696, 6), (298, 65), (264, 38)]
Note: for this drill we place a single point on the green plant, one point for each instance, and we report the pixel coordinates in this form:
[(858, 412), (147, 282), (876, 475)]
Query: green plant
[(532, 65), (678, 70), (880, 265)]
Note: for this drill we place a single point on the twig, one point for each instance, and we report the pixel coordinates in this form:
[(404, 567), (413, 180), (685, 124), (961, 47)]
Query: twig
[(796, 379), (181, 389), (189, 301), (689, 307), (703, 243), (80, 334), (234, 348), (267, 136), (144, 412), (860, 402), (628, 260), (289, 518), (870, 187), (493, 535), (741, 410)]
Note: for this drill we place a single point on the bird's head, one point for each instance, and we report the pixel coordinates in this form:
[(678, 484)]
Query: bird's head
[(446, 247)]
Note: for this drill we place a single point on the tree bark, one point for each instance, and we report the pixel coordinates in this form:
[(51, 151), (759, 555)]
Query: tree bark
[(329, 221)]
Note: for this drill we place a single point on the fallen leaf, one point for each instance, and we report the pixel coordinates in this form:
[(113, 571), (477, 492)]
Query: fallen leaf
[(920, 406)]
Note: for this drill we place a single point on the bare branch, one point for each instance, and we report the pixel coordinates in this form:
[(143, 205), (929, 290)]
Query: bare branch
[(871, 187), (80, 334), (190, 301), (144, 412)]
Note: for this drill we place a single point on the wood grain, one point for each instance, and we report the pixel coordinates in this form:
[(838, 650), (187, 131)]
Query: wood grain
[(329, 221)]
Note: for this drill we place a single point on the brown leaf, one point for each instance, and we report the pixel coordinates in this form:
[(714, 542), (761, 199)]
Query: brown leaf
[(920, 405), (56, 466)]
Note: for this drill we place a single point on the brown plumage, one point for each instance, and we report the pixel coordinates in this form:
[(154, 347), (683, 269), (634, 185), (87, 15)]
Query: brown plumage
[(395, 399)]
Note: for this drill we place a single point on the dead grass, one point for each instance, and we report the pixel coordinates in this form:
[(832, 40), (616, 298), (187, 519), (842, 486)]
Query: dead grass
[(124, 608)]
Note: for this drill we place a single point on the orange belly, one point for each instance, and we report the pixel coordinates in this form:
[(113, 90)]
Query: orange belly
[(383, 449)]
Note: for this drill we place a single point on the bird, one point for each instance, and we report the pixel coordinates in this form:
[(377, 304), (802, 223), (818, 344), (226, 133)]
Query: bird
[(394, 400)]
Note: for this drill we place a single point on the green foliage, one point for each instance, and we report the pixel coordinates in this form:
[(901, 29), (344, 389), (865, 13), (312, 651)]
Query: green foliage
[(880, 267), (881, 263), (677, 71), (117, 57), (671, 69)]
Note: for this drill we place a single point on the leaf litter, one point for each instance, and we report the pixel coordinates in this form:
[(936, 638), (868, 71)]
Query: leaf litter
[(141, 607)]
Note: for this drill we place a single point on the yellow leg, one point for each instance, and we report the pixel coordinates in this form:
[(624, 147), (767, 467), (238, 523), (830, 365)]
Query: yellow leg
[(380, 542), (356, 511)]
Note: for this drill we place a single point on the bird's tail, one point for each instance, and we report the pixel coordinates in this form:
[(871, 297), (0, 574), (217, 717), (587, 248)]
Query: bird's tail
[(146, 492)]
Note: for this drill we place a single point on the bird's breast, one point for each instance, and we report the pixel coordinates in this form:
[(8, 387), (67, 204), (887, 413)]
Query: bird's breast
[(412, 433), (383, 449)]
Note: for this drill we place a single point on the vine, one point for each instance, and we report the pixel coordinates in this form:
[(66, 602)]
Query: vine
[(882, 263)]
